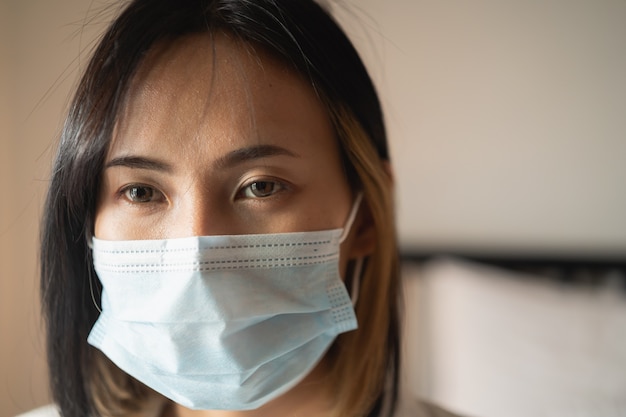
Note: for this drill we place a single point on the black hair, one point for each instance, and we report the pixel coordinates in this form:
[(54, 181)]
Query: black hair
[(299, 32)]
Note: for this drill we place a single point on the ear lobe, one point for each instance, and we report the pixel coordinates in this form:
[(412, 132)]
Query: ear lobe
[(363, 241)]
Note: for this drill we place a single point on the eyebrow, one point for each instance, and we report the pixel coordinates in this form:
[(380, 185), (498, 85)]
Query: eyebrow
[(249, 153), (139, 162), (233, 158)]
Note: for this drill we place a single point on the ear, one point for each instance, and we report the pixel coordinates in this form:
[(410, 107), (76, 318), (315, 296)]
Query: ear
[(363, 241), (365, 235)]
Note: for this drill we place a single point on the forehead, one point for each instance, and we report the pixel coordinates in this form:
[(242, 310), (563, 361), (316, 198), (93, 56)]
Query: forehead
[(203, 66), (213, 85)]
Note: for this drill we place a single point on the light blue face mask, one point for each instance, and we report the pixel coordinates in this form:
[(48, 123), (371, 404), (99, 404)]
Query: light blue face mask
[(222, 322)]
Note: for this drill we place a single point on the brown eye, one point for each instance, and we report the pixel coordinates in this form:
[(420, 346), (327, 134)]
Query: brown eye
[(261, 189), (140, 194)]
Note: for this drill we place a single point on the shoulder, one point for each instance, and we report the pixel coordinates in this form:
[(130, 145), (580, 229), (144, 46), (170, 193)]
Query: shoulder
[(45, 411), (421, 409)]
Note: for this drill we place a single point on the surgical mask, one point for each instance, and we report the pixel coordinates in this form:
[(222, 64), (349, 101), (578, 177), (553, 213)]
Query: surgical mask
[(222, 322)]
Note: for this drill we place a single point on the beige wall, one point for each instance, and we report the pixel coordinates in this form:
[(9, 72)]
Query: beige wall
[(21, 370), (506, 119), (39, 45)]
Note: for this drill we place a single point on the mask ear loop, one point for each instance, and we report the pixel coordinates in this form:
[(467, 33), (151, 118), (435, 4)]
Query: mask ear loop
[(91, 289), (353, 212), (356, 281), (358, 266), (93, 297)]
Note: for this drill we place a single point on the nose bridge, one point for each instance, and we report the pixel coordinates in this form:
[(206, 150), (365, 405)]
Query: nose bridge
[(202, 212)]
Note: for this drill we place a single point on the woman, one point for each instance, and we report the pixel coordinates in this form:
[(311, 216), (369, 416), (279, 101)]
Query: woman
[(220, 201)]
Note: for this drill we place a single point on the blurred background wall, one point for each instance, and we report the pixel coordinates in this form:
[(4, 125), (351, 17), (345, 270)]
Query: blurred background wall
[(40, 52), (506, 119), (507, 122)]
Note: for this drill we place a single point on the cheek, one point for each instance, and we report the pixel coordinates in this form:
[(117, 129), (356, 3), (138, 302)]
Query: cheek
[(102, 228), (101, 221), (106, 219), (108, 227)]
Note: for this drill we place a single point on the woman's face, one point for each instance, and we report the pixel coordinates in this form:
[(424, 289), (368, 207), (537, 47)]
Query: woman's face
[(218, 139)]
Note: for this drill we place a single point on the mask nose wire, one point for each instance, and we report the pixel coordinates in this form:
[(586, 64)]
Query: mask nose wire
[(351, 217)]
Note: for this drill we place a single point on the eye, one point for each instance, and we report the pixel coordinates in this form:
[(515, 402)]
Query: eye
[(261, 189), (138, 193)]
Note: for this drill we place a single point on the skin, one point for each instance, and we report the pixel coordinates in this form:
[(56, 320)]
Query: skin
[(217, 138)]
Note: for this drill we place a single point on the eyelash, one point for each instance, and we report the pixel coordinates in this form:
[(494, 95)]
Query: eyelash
[(248, 189), (155, 196)]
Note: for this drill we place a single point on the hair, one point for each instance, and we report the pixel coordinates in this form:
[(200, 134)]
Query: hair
[(300, 33)]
